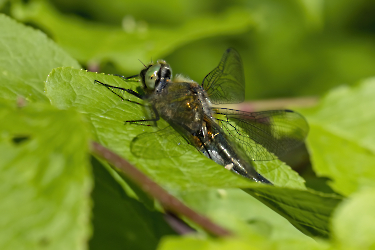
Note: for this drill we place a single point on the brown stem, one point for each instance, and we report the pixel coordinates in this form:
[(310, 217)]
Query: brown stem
[(169, 202)]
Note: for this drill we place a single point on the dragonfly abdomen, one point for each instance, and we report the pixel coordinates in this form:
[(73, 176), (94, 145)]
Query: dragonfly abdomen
[(216, 146)]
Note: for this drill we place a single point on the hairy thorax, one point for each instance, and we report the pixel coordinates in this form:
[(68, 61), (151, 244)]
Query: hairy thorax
[(182, 102)]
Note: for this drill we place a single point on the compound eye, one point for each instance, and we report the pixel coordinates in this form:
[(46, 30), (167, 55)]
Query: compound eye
[(152, 76), (168, 74)]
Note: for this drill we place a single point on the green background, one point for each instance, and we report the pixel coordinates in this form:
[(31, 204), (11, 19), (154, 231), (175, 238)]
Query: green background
[(56, 195)]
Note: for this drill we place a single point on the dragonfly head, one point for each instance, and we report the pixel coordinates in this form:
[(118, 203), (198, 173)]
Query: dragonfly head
[(156, 76)]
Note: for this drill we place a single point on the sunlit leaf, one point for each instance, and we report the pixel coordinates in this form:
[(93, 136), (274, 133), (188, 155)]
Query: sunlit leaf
[(67, 87), (256, 242), (27, 56), (45, 179), (353, 223), (342, 139)]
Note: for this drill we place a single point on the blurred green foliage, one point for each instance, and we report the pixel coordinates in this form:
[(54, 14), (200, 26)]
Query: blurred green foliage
[(289, 48)]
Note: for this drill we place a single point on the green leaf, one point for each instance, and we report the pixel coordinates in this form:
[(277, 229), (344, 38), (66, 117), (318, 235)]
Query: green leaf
[(342, 141), (94, 42), (307, 210), (186, 243), (281, 174), (254, 243), (27, 56), (45, 179), (244, 214), (353, 223), (67, 87), (121, 222)]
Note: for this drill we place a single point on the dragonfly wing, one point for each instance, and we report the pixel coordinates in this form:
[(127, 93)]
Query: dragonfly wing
[(163, 143), (226, 83), (264, 135)]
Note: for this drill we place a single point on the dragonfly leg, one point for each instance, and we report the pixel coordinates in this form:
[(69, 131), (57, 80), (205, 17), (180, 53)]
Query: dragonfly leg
[(126, 78), (203, 147), (115, 91), (154, 119)]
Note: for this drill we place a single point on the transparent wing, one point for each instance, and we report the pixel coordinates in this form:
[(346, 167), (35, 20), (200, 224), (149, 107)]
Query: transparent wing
[(163, 143), (264, 135), (226, 83)]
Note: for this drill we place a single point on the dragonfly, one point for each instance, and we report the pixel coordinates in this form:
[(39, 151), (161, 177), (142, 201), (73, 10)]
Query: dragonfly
[(231, 138)]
